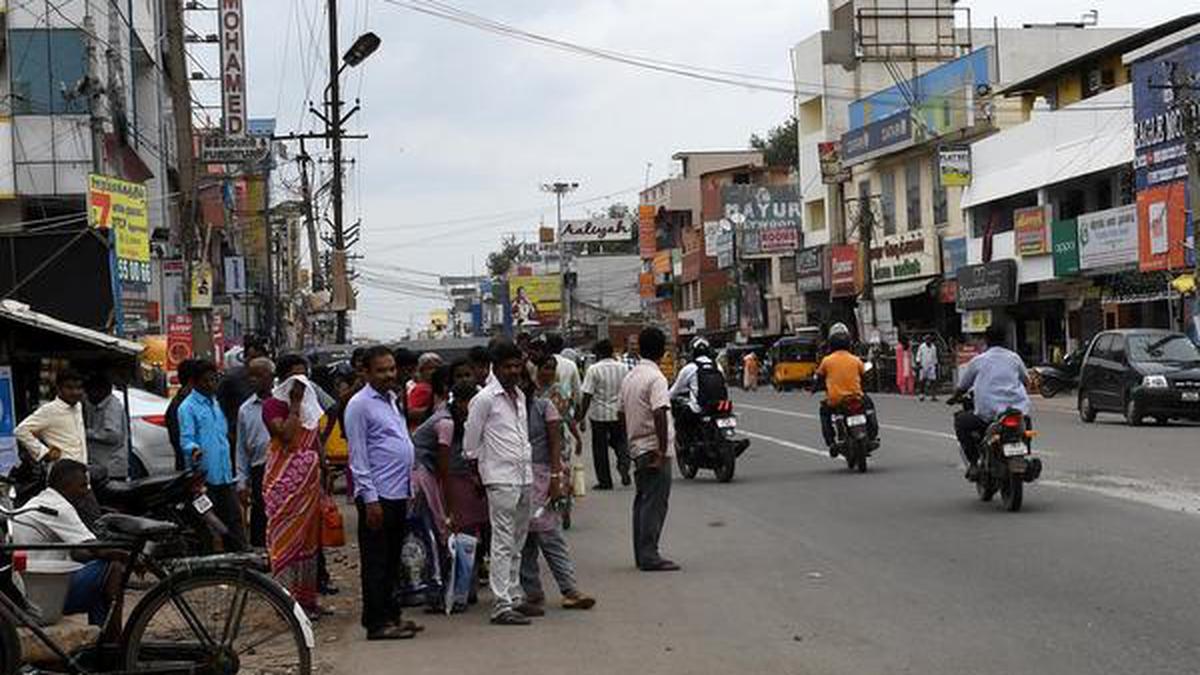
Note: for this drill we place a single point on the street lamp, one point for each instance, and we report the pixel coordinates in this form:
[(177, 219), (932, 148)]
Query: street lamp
[(364, 46), (559, 189)]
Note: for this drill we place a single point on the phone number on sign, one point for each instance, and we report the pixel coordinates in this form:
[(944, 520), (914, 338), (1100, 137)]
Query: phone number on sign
[(133, 271)]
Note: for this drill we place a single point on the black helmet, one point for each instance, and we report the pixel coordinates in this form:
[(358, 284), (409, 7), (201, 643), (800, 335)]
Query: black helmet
[(701, 347), (839, 341)]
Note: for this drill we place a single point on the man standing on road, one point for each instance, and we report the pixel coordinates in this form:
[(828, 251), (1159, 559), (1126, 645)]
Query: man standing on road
[(632, 354), (186, 373), (999, 379), (646, 408), (253, 438), (927, 362), (381, 460), (104, 417), (204, 438), (497, 436), (601, 405), (235, 386)]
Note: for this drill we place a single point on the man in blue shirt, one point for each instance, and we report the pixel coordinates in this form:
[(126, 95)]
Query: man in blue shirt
[(999, 378), (204, 439)]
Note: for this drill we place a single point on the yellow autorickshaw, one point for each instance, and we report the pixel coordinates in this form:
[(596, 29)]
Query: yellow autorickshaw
[(795, 359)]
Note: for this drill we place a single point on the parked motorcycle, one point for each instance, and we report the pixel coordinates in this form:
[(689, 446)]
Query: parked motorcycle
[(852, 433), (1006, 458), (713, 443), (1053, 379)]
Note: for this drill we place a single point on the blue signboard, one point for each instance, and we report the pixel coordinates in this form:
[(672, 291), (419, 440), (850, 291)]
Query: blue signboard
[(1159, 131), (974, 69), (8, 422), (954, 256), (891, 132)]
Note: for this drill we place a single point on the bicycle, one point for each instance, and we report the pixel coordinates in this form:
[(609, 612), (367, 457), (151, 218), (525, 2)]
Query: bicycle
[(189, 622)]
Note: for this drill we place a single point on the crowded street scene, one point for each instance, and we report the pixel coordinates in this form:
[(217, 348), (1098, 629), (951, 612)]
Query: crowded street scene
[(818, 337)]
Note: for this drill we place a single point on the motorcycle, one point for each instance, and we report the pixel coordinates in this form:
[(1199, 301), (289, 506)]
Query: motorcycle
[(1006, 458), (713, 443), (852, 433), (1053, 379)]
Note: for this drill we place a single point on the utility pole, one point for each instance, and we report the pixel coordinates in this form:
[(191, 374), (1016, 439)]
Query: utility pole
[(314, 254), (865, 224), (559, 189), (335, 138), (181, 107)]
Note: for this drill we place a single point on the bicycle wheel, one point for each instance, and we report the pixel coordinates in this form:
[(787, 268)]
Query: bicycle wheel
[(219, 621)]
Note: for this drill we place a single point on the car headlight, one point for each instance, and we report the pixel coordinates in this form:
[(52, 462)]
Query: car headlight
[(1155, 382)]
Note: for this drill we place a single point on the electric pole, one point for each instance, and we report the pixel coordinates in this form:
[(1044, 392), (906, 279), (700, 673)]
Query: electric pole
[(335, 138), (181, 108), (314, 254), (559, 189)]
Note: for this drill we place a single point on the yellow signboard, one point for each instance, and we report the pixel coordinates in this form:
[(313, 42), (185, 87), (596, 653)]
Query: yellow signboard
[(121, 205), (535, 300)]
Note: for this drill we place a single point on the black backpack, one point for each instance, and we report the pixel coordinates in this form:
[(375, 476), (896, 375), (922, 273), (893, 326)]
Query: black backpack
[(710, 386)]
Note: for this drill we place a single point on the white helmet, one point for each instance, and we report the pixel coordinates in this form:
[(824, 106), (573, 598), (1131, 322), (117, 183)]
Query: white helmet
[(701, 347), (837, 328)]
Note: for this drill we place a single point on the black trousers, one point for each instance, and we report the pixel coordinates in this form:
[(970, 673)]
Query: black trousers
[(827, 430), (379, 562), (228, 508), (969, 428), (607, 435), (650, 510), (258, 508)]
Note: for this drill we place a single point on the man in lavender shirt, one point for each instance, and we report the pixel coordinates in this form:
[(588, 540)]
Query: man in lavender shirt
[(381, 459)]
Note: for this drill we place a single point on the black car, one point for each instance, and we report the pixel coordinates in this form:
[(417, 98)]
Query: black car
[(1141, 373)]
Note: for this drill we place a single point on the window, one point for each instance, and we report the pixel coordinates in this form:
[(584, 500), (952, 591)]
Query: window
[(941, 213), (912, 192), (887, 201), (1103, 348), (787, 270), (46, 65), (1117, 349)]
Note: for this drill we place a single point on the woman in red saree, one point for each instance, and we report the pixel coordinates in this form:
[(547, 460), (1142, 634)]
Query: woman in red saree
[(292, 491)]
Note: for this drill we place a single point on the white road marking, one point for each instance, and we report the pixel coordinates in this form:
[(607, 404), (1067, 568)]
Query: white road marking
[(787, 444), (810, 416)]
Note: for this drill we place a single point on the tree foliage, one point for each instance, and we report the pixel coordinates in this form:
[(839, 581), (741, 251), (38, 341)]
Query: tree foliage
[(500, 262), (781, 147)]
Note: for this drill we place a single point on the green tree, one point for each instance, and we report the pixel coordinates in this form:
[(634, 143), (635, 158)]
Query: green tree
[(500, 262), (781, 147)]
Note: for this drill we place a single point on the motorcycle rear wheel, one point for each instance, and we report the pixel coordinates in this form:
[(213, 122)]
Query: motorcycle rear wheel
[(862, 463), (1012, 493), (725, 471), (1049, 388), (686, 469), (985, 487)]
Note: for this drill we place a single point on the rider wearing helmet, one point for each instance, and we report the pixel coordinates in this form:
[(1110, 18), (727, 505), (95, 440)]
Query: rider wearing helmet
[(842, 372), (687, 384)]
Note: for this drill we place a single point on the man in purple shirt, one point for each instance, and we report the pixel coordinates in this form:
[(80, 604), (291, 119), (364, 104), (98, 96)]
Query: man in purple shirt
[(381, 459)]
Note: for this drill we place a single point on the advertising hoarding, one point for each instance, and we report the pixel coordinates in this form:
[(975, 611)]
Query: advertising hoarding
[(121, 205), (233, 66), (772, 216), (536, 300), (596, 229), (1108, 238), (900, 257), (1030, 227)]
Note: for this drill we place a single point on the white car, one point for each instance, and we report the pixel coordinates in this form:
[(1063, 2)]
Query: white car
[(152, 452)]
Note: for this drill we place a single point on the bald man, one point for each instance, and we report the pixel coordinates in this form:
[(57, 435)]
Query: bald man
[(252, 441)]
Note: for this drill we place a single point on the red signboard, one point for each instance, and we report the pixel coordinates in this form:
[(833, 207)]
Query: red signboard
[(1162, 227), (647, 241), (846, 270), (179, 343)]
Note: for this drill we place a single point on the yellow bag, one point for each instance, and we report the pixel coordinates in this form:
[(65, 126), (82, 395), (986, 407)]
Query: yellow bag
[(337, 450), (578, 480)]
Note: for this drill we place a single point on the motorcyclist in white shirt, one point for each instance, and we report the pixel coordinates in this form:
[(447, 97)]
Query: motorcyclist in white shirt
[(687, 384)]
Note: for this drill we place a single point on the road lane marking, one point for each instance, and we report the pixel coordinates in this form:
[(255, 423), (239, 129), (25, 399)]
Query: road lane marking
[(787, 444), (810, 416)]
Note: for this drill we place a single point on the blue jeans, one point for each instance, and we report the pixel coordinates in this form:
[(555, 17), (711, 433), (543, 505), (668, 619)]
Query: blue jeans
[(86, 592)]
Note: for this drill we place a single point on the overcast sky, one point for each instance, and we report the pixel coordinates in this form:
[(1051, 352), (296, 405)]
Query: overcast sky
[(466, 124)]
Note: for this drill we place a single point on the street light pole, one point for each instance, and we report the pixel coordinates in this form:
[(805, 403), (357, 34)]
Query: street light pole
[(559, 189), (335, 132)]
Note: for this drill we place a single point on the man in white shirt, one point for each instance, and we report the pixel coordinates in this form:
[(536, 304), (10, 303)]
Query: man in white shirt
[(104, 418), (96, 587), (56, 430), (927, 363), (497, 436), (602, 406), (646, 408)]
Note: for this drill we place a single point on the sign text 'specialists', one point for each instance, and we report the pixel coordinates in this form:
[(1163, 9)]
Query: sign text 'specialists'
[(233, 67)]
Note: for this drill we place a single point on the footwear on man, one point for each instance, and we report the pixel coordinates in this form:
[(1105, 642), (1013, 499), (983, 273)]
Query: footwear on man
[(602, 486), (625, 480), (577, 600), (530, 609), (662, 566), (390, 632), (510, 618), (973, 473)]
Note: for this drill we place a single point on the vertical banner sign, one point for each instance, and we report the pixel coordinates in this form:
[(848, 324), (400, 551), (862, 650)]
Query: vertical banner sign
[(202, 286), (120, 205), (646, 231), (235, 275), (954, 165), (1030, 225), (8, 422), (233, 67), (1162, 227), (1065, 236), (179, 343)]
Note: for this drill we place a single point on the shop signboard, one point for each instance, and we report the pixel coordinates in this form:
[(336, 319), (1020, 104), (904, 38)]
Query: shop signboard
[(712, 230), (8, 422), (901, 257), (1162, 227), (845, 271), (121, 205), (829, 154), (954, 166), (1108, 238), (725, 250), (536, 300), (954, 256), (872, 139), (202, 286), (976, 320), (811, 266), (646, 231), (179, 344), (1161, 117), (1065, 239), (772, 216), (992, 284), (233, 67), (1030, 226)]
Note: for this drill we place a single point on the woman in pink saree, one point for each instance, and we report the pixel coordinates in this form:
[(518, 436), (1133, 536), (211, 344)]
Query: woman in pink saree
[(292, 490)]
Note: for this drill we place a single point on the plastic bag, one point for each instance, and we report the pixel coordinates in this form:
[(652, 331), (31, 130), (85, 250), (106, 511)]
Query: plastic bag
[(578, 481), (462, 569), (333, 531)]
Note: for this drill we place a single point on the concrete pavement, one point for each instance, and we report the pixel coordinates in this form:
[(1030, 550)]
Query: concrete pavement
[(799, 566)]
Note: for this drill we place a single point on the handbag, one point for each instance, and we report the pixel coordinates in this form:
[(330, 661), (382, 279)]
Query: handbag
[(333, 530), (578, 481)]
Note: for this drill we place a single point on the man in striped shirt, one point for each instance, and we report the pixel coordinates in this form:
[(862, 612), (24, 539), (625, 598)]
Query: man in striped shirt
[(601, 405)]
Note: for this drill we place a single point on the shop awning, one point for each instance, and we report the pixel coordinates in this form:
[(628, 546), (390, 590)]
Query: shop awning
[(18, 312), (902, 289)]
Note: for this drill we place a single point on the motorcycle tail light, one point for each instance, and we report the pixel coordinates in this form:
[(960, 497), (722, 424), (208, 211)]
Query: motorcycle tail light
[(156, 420), (1012, 421), (854, 406), (20, 560)]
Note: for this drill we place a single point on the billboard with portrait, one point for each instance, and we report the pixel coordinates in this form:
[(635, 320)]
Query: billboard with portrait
[(536, 300)]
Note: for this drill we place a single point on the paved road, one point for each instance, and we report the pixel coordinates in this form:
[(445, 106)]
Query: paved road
[(799, 566)]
